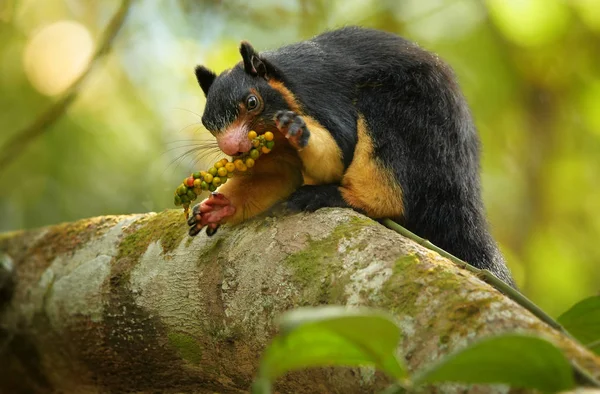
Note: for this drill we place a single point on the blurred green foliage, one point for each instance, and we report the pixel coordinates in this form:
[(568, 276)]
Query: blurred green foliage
[(529, 68)]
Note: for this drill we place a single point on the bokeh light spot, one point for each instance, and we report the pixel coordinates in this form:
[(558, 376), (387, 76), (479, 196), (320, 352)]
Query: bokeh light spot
[(56, 55), (530, 22)]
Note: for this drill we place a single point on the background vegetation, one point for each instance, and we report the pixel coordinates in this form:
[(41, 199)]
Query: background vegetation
[(529, 68)]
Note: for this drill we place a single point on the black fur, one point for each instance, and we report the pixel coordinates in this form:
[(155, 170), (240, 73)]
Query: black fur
[(205, 78), (230, 89), (253, 65), (313, 197), (418, 119)]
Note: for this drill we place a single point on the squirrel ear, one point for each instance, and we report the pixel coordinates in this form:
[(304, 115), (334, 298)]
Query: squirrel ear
[(205, 78), (253, 64)]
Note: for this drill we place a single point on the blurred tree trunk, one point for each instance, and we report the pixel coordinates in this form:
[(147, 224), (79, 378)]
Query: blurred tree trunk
[(131, 303)]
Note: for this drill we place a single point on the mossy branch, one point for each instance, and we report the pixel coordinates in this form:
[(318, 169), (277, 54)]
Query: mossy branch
[(490, 278), (132, 304), (22, 138)]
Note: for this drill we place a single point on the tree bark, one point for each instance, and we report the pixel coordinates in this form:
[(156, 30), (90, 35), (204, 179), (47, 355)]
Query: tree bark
[(132, 304)]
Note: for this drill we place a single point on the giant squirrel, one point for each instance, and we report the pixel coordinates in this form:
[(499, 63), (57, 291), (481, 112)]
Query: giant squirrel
[(363, 119)]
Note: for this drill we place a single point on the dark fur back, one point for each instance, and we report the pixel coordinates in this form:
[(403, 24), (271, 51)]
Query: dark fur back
[(420, 124)]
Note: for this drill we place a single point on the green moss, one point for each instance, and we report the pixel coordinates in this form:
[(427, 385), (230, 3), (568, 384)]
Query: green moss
[(468, 309), (317, 267), (189, 242), (400, 291), (187, 347), (333, 289), (7, 236), (68, 237), (404, 263), (447, 281), (461, 317), (168, 226)]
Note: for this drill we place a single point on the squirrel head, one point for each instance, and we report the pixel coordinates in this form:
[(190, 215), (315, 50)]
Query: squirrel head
[(239, 100)]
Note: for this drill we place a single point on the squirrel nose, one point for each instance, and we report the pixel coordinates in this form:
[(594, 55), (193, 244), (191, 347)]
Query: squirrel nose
[(228, 146), (233, 143)]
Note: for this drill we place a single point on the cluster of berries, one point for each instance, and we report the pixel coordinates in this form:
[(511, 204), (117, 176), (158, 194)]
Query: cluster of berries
[(221, 171)]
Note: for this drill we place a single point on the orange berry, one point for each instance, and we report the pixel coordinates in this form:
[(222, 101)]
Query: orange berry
[(269, 136), (239, 164)]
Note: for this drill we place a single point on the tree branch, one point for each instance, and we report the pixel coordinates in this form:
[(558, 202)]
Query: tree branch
[(131, 303)]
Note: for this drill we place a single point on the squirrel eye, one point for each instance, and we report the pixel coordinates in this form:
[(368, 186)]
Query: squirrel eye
[(251, 102)]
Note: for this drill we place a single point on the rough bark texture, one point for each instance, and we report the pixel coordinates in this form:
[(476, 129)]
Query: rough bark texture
[(131, 303)]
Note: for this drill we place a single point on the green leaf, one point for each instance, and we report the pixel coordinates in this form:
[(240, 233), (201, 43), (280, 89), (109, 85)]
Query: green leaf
[(261, 386), (517, 360), (327, 336), (583, 322)]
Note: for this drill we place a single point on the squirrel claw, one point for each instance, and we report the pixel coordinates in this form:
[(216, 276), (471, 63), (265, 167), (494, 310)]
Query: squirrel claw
[(293, 127), (210, 213), (194, 230), (211, 229)]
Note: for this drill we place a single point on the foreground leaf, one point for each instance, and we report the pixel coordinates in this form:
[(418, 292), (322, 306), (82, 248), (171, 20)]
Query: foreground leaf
[(583, 322), (326, 336), (516, 360)]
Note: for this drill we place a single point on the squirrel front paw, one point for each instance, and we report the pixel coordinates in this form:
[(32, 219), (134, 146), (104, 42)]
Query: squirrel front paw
[(292, 126), (210, 213)]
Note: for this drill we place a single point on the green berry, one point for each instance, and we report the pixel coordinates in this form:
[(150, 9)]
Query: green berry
[(204, 185), (197, 175), (191, 195), (270, 144), (212, 171), (254, 153), (181, 190), (177, 200)]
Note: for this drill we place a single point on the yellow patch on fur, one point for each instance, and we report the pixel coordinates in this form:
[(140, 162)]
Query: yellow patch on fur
[(368, 184), (273, 178), (322, 157), (288, 96)]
